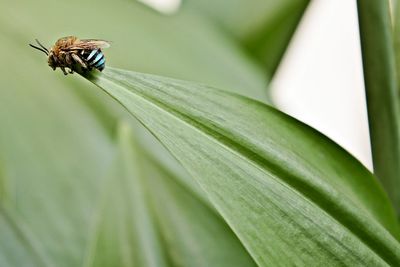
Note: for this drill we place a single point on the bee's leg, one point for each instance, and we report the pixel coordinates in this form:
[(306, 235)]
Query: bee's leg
[(79, 61), (63, 70), (69, 59)]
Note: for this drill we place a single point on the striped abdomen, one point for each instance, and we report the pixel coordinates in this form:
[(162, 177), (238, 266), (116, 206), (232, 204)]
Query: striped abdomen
[(94, 59)]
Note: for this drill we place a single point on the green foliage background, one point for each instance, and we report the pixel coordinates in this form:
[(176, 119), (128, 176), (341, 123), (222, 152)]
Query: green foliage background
[(82, 183)]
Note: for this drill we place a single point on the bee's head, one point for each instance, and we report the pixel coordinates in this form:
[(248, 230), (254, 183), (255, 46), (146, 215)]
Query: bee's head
[(51, 60)]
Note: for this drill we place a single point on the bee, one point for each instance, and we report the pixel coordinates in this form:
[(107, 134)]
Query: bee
[(80, 55)]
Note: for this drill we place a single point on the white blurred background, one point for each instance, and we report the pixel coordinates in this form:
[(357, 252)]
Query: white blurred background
[(320, 79)]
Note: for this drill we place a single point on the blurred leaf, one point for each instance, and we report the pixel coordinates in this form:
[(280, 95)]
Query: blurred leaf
[(53, 153), (264, 27), (269, 44), (124, 233), (12, 232), (3, 183), (396, 36), (382, 93), (239, 17), (290, 194)]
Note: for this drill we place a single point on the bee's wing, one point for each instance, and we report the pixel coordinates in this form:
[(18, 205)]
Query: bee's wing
[(88, 44)]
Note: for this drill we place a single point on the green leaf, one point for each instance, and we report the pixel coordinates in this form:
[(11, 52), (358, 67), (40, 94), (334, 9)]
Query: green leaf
[(194, 234), (290, 194), (382, 93)]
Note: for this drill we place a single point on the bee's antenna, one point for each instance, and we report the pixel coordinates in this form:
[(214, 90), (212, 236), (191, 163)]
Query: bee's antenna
[(40, 49), (42, 46)]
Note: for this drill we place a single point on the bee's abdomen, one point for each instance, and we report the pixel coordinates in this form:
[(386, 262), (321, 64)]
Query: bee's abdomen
[(94, 58)]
